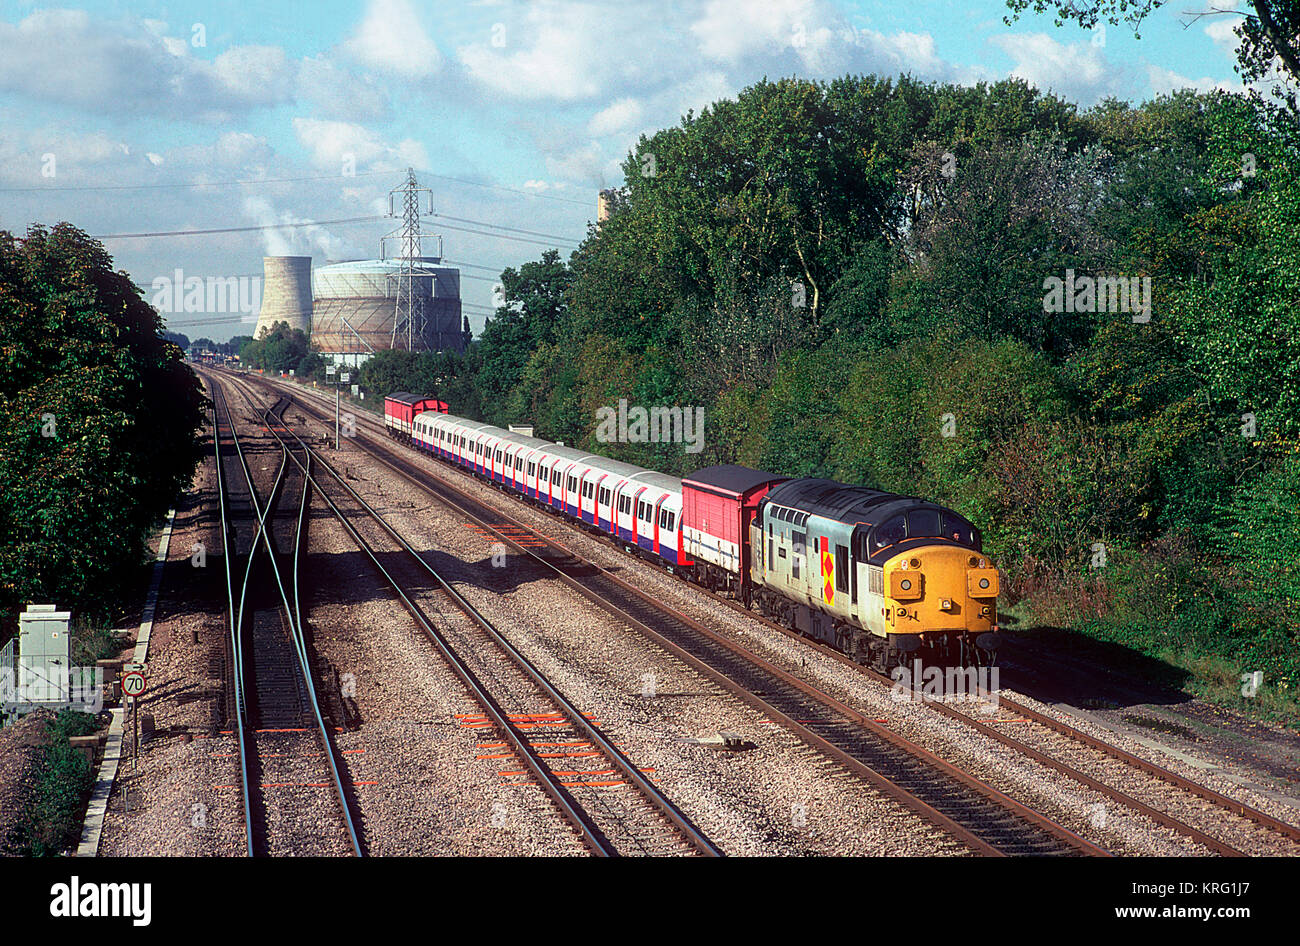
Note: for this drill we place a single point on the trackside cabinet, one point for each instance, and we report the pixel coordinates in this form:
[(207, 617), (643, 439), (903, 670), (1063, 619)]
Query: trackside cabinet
[(44, 654)]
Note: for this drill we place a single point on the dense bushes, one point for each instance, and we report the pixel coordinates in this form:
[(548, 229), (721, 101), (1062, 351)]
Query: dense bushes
[(98, 415), (53, 820)]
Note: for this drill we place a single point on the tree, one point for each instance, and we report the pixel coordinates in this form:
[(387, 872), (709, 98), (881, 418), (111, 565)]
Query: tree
[(1270, 36), (98, 416), (533, 307), (279, 348)]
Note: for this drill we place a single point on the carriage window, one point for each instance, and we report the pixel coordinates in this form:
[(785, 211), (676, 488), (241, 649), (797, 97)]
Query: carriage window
[(798, 542), (923, 522), (672, 521), (892, 531), (532, 468), (586, 489)]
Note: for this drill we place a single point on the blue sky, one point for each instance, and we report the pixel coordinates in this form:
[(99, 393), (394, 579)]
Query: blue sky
[(514, 113)]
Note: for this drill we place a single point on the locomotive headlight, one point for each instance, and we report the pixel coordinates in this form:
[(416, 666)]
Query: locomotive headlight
[(982, 583), (945, 604), (905, 584)]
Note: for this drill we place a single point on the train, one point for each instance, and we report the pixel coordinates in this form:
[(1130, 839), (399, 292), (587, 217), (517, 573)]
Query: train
[(887, 579)]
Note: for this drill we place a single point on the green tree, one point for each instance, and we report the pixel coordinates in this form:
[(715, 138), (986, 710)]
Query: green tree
[(98, 416), (1269, 32)]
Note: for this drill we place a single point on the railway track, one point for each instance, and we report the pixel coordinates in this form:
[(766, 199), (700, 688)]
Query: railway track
[(612, 806), (286, 755), (1227, 808), (984, 819)]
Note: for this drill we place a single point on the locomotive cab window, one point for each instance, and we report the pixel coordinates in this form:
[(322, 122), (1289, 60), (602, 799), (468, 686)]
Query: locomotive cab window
[(923, 522), (895, 530), (959, 530)]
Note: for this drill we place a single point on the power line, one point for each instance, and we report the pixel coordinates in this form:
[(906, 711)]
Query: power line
[(138, 187), (314, 223), (505, 236), (463, 265), (512, 190), (549, 236), (277, 226), (284, 180)]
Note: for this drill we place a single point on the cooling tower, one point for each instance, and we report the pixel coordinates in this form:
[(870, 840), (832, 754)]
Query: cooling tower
[(286, 293), (356, 304)]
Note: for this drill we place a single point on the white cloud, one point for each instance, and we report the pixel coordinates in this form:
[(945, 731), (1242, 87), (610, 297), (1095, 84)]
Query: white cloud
[(1077, 72), (66, 57), (331, 143), (568, 51), (339, 93), (390, 39), (1166, 80), (615, 117), (250, 71), (729, 30), (1222, 32), (584, 163)]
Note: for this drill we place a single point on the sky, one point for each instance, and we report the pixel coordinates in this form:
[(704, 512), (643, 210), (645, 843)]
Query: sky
[(299, 118)]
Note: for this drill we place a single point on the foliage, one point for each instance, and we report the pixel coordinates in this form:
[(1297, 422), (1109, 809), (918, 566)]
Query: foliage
[(52, 823), (849, 279), (1268, 47), (278, 348), (98, 416), (445, 375)]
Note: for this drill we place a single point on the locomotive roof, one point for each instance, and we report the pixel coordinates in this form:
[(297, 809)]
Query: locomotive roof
[(834, 500), (730, 478)]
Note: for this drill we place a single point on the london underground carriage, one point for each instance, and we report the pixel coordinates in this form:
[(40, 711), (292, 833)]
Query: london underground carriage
[(881, 576)]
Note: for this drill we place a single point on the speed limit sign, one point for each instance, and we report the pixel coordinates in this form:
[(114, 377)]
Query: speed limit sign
[(133, 683)]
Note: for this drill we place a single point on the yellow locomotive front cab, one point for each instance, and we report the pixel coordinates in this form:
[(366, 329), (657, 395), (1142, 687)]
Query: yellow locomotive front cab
[(940, 596)]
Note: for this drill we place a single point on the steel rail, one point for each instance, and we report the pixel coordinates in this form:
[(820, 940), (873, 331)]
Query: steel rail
[(806, 735), (295, 632), (228, 550), (554, 789), (1181, 782)]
